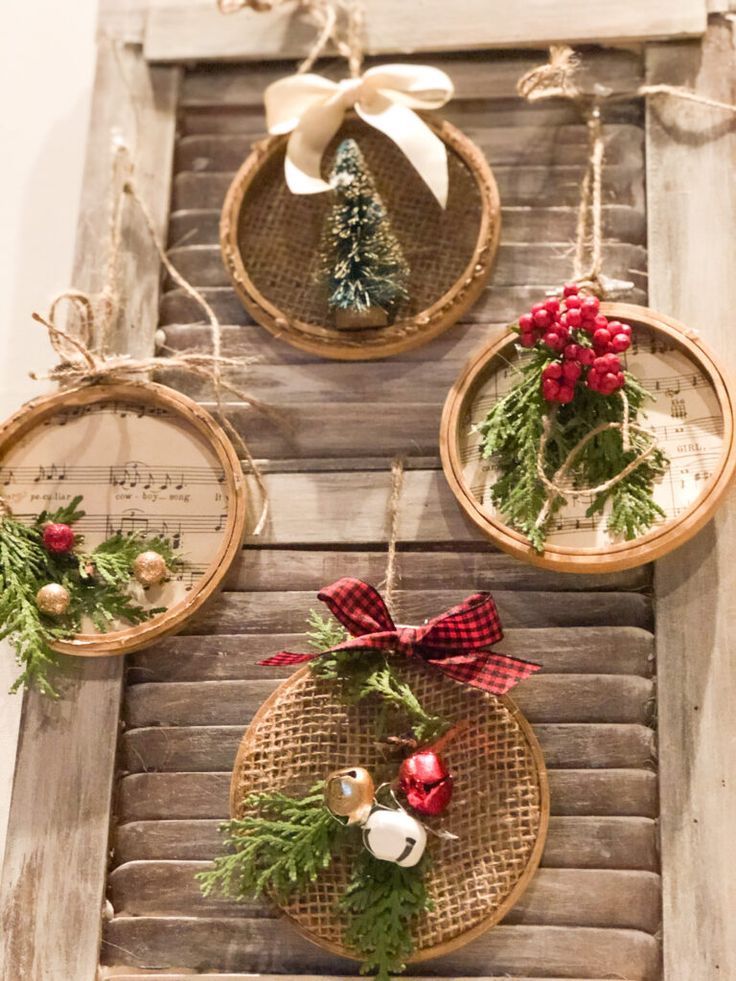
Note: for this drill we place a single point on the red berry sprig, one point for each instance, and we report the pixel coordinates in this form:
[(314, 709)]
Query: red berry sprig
[(587, 342)]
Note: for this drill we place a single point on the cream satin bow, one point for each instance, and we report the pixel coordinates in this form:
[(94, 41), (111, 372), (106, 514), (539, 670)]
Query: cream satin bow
[(312, 108)]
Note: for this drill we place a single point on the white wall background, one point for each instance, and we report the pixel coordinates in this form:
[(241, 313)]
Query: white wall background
[(46, 70)]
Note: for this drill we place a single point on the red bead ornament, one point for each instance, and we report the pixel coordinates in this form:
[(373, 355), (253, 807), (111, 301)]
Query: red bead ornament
[(426, 782), (57, 538)]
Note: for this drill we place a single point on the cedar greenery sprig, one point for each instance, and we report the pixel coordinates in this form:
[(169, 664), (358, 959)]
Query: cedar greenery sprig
[(366, 672), (511, 435), (278, 849), (97, 582), (383, 901)]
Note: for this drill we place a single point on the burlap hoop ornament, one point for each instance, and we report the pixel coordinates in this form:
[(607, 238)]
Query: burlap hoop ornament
[(270, 237), (500, 810)]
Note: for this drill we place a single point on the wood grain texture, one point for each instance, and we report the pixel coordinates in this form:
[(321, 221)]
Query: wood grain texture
[(691, 225), (179, 32), (56, 856), (189, 697), (265, 946)]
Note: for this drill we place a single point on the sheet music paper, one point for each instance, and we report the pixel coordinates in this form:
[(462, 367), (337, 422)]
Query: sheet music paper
[(684, 415), (138, 467)]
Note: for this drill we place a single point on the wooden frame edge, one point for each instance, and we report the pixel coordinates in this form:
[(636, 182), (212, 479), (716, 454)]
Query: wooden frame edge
[(427, 324), (141, 635), (624, 555), (455, 943)]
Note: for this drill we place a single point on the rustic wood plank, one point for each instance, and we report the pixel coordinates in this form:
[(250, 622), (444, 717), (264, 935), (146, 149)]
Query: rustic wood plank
[(554, 225), (500, 305), (475, 76), (195, 30), (269, 569), (287, 612), (584, 698), (555, 897), (267, 945), (195, 747), (594, 650), (572, 842), (691, 222), (549, 146), (56, 855), (589, 793), (519, 186)]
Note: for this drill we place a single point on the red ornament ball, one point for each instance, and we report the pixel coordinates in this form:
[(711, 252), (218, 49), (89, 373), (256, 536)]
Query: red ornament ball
[(426, 782), (58, 538)]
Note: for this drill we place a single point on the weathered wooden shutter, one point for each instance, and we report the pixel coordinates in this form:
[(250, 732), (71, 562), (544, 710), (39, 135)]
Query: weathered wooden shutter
[(119, 788)]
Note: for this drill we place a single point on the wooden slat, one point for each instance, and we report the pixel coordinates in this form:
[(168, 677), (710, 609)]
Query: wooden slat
[(595, 650), (57, 851), (691, 154), (193, 747), (154, 796), (266, 946), (195, 31), (572, 842), (476, 77), (556, 897), (56, 855)]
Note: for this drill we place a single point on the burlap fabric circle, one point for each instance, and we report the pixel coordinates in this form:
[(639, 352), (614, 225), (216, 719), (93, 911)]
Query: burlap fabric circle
[(499, 811), (270, 242)]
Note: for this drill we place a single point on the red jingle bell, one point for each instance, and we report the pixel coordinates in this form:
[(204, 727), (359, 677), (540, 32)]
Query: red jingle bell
[(426, 782), (57, 538)]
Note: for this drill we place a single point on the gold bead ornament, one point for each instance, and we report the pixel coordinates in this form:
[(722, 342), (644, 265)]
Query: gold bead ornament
[(149, 568), (350, 793), (53, 598)]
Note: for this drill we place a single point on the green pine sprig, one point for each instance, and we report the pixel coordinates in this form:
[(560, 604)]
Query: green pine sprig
[(511, 434), (97, 582), (24, 566), (277, 849), (382, 902), (363, 673)]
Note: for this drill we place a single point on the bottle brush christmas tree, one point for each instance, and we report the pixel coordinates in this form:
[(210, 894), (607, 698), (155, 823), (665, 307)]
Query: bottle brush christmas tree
[(362, 262)]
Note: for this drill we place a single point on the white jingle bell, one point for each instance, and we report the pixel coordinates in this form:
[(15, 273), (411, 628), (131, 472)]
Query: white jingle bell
[(394, 836)]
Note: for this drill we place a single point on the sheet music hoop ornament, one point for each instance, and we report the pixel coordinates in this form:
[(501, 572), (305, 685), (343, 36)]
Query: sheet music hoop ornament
[(270, 242), (663, 538), (499, 812), (190, 418)]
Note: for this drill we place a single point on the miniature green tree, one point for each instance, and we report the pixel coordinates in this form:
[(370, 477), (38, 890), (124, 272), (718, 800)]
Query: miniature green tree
[(362, 262)]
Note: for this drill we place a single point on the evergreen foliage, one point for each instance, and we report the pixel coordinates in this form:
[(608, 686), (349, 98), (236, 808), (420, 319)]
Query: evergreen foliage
[(96, 581), (278, 849), (362, 261), (383, 901), (361, 673), (511, 434)]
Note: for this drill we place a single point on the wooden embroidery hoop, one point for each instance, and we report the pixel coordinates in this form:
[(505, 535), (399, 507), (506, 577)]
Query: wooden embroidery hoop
[(610, 558), (264, 758), (403, 334), (192, 415)]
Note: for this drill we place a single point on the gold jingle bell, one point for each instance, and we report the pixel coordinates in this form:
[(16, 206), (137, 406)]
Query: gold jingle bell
[(149, 568), (53, 599), (350, 793)]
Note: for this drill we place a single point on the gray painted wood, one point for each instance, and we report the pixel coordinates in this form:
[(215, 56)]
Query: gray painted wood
[(57, 845), (692, 193)]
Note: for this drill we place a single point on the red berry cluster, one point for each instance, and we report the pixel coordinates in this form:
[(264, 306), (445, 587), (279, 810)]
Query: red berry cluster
[(588, 342)]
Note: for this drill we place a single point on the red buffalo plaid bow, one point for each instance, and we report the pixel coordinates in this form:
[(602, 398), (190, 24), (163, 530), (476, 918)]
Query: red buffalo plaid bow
[(455, 642)]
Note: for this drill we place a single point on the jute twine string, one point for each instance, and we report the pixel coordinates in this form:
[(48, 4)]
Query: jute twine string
[(556, 80), (391, 578), (339, 23), (83, 353)]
